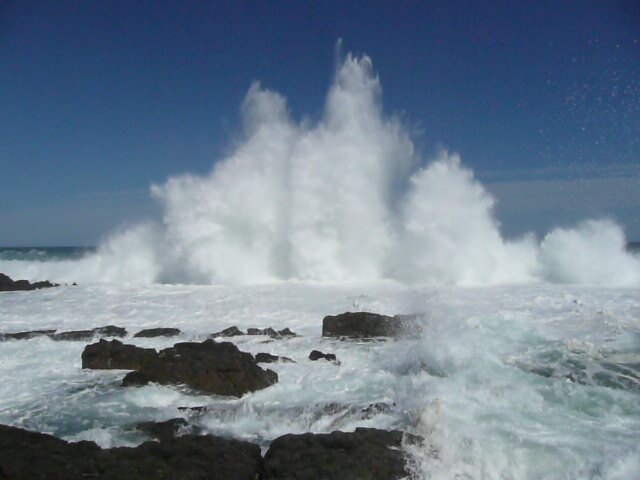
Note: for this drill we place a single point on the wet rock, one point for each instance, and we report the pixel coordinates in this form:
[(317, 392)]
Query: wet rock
[(113, 354), (163, 431), (9, 285), (158, 332), (26, 454), (228, 332), (76, 335), (268, 358), (317, 355), (287, 333), (269, 332), (368, 325), (364, 454), (211, 367), (25, 335)]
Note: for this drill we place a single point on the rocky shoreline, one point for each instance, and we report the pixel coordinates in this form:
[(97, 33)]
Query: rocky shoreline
[(178, 449)]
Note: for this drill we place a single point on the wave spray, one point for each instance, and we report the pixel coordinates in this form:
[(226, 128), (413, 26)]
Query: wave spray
[(345, 198)]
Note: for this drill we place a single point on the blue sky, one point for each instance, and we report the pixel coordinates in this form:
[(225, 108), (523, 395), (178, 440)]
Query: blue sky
[(100, 99)]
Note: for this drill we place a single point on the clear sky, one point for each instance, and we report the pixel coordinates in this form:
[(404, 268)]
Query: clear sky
[(99, 99)]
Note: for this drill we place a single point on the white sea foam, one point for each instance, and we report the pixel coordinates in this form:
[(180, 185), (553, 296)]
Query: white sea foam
[(505, 382), (344, 198)]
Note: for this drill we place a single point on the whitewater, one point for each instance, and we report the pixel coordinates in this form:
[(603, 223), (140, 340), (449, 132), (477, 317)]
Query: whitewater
[(528, 362)]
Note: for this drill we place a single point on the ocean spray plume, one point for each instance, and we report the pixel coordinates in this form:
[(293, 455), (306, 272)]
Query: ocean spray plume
[(345, 198)]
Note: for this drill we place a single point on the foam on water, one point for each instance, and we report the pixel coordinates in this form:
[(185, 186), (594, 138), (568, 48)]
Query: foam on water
[(343, 198), (516, 382)]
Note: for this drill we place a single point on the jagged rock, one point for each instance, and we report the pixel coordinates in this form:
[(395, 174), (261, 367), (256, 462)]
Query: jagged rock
[(108, 331), (367, 325), (268, 358), (107, 355), (317, 355), (25, 335), (228, 332), (33, 455), (269, 332), (287, 333), (218, 368), (163, 431), (9, 285), (366, 453), (158, 332)]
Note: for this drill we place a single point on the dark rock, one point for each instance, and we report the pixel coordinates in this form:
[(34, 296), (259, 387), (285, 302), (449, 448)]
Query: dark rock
[(33, 455), (108, 331), (135, 379), (366, 453), (368, 325), (163, 431), (114, 354), (26, 335), (287, 333), (375, 409), (9, 285), (158, 332), (317, 355), (268, 358), (228, 332), (270, 332), (218, 368)]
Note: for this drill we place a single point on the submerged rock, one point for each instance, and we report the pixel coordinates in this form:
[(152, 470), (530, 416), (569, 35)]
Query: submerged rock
[(366, 453), (163, 431), (76, 335), (158, 332), (9, 285), (368, 325), (317, 355), (26, 335), (211, 367), (25, 454), (268, 358)]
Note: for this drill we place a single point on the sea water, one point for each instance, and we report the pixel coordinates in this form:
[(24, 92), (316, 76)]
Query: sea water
[(527, 365), (503, 382)]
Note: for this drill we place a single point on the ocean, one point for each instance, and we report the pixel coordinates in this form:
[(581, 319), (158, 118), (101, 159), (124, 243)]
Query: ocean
[(527, 365)]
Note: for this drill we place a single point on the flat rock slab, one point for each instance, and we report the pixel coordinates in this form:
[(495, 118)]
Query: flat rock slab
[(158, 332), (33, 455), (79, 335), (76, 335), (26, 335), (211, 367), (366, 454), (9, 285), (368, 325)]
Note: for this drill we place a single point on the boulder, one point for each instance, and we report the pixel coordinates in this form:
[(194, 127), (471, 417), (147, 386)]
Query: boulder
[(366, 453), (368, 325), (218, 368), (25, 335), (268, 358), (158, 332), (113, 354), (9, 285), (76, 335), (317, 355), (26, 454)]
